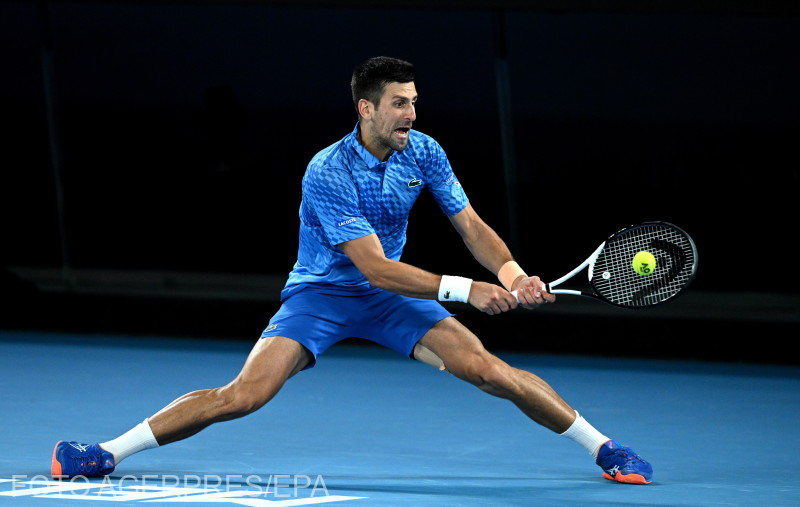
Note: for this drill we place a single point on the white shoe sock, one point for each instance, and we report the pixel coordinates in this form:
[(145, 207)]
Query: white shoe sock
[(585, 435), (139, 438)]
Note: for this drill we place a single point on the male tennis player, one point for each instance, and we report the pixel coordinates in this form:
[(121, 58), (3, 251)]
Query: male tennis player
[(349, 282)]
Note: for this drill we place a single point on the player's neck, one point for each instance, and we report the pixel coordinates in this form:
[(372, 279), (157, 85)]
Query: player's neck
[(380, 151)]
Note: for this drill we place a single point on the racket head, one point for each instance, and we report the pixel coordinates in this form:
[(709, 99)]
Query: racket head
[(613, 279)]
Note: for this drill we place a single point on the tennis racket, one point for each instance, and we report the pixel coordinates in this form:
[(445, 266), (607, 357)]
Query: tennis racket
[(613, 277)]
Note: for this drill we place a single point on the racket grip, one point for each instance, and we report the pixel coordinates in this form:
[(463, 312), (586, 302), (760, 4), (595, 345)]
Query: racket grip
[(545, 287)]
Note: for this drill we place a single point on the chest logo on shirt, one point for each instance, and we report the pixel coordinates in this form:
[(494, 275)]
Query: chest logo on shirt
[(414, 183)]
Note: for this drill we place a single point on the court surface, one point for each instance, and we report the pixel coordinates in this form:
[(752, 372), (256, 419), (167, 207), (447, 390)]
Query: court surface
[(366, 427)]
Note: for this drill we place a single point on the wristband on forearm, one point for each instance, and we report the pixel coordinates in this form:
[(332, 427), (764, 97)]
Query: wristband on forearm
[(509, 272), (454, 288)]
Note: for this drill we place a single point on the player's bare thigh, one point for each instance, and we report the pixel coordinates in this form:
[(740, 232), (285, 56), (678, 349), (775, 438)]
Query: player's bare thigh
[(272, 359), (456, 346), (271, 362)]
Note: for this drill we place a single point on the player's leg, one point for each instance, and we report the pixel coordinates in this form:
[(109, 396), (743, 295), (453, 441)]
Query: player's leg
[(271, 362), (464, 356)]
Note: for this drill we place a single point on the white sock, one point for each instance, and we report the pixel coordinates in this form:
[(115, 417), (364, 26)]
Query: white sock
[(139, 438), (585, 435)]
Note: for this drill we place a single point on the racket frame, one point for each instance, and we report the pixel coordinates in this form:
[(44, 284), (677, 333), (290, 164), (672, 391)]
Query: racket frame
[(589, 262)]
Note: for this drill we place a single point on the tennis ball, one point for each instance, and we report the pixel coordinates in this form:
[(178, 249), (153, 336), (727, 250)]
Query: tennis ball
[(644, 263)]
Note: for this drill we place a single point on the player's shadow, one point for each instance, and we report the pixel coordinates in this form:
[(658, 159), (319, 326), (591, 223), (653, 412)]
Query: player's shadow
[(497, 489)]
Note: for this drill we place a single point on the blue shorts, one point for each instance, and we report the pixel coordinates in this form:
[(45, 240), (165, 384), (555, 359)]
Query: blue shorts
[(320, 316)]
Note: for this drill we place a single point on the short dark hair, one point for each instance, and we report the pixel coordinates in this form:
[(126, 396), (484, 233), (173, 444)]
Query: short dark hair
[(371, 77)]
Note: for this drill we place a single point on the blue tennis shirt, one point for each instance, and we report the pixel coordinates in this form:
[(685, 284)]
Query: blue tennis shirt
[(349, 193)]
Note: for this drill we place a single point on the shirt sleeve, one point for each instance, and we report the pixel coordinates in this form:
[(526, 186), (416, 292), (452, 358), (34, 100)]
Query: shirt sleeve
[(331, 192), (444, 185)]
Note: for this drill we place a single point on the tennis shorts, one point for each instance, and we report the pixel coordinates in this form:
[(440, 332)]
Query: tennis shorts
[(320, 316)]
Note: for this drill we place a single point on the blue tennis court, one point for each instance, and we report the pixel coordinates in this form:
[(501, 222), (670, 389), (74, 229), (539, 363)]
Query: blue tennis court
[(367, 427)]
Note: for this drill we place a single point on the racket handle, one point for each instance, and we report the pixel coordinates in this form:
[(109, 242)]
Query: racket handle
[(545, 287)]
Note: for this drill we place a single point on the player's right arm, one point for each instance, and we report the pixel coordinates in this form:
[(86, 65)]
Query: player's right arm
[(401, 278)]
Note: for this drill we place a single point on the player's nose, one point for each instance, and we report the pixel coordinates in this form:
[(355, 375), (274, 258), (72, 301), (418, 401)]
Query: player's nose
[(411, 113)]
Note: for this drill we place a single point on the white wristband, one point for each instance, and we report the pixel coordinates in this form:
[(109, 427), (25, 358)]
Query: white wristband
[(455, 288)]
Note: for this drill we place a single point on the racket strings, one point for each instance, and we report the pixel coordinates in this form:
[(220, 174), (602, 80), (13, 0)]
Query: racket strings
[(614, 278)]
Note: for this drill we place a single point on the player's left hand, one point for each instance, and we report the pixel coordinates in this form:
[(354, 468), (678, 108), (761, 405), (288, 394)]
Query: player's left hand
[(531, 293), (490, 298)]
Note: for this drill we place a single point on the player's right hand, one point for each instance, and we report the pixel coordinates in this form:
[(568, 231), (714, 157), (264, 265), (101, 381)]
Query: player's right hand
[(531, 293), (490, 298)]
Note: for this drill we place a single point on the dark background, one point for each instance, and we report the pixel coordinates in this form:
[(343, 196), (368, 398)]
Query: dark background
[(171, 137)]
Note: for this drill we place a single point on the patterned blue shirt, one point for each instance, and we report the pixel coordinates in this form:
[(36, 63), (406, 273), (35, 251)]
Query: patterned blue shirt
[(348, 193)]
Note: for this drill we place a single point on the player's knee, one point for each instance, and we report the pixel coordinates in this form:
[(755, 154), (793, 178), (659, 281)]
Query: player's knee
[(235, 400)]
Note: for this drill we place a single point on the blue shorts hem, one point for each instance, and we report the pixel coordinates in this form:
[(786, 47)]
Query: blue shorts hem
[(318, 318)]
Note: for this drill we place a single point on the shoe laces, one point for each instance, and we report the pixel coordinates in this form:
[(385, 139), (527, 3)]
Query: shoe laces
[(89, 462), (628, 454)]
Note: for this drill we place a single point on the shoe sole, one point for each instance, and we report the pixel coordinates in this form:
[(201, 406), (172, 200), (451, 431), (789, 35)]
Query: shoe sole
[(627, 479), (55, 465)]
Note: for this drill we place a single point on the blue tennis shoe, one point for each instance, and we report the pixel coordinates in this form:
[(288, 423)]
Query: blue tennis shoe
[(71, 459), (621, 464)]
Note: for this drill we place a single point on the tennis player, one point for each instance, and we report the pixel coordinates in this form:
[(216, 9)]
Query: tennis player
[(349, 281)]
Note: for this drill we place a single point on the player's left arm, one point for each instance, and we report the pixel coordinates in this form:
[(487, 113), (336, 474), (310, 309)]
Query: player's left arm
[(492, 253)]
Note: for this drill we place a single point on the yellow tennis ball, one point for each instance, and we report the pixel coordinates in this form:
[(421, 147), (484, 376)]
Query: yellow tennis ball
[(644, 263)]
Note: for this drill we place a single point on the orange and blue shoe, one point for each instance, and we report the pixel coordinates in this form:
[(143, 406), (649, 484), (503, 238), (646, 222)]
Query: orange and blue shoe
[(621, 464), (71, 459)]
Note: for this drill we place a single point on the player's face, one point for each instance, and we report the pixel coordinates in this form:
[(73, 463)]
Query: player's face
[(391, 121)]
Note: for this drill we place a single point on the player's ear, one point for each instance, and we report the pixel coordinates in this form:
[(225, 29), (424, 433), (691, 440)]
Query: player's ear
[(365, 108)]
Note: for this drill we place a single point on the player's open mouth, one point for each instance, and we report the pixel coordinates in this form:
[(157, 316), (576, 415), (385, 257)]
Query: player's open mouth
[(402, 131)]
